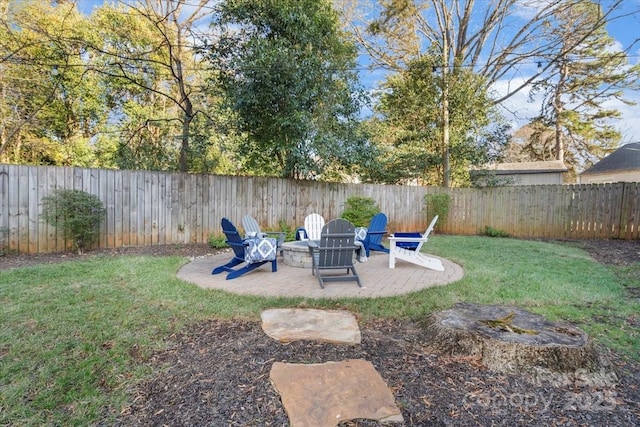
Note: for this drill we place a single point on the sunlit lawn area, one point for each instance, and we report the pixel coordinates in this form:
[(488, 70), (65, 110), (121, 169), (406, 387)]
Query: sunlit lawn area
[(74, 336)]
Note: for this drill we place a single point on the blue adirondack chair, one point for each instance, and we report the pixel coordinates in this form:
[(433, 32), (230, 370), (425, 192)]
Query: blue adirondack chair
[(239, 246), (375, 232)]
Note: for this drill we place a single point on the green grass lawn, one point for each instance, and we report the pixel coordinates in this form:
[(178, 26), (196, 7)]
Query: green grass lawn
[(73, 335)]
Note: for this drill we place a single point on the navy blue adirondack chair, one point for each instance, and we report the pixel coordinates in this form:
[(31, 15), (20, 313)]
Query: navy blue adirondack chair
[(375, 232), (239, 245)]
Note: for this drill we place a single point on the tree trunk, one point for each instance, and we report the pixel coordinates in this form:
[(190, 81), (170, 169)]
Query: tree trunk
[(509, 339), (184, 147), (558, 107)]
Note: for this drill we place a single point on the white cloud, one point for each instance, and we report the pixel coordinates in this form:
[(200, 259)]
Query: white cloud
[(518, 109)]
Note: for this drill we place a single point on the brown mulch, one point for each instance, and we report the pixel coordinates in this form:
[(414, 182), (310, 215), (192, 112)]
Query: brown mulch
[(217, 372)]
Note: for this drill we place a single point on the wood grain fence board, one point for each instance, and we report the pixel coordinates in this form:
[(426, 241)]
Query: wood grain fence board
[(12, 196), (556, 227), (43, 242), (630, 211), (202, 213), (616, 212), (608, 198), (32, 209), (125, 198), (140, 209), (4, 207), (596, 215), (23, 209), (54, 176), (197, 235), (185, 220), (631, 220), (214, 206)]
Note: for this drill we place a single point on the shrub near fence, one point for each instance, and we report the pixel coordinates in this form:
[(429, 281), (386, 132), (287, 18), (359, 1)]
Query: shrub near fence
[(156, 208)]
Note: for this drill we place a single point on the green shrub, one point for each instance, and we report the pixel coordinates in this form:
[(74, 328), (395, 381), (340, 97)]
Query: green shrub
[(77, 213), (217, 241), (494, 232), (289, 233), (438, 204), (360, 210)]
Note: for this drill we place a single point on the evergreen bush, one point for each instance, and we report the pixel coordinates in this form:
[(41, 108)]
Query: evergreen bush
[(360, 210), (77, 213)]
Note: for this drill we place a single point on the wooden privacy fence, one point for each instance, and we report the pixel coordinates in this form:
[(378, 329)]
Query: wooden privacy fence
[(157, 208), (587, 211)]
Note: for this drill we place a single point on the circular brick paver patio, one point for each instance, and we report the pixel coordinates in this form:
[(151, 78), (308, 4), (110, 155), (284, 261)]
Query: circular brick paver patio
[(377, 279)]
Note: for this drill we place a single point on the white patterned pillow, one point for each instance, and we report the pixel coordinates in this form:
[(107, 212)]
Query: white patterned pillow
[(260, 250), (361, 233)]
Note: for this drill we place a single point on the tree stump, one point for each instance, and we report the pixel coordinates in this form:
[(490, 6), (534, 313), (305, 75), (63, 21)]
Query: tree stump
[(509, 339)]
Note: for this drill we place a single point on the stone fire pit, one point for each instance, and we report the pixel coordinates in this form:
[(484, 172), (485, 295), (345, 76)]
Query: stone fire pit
[(296, 254)]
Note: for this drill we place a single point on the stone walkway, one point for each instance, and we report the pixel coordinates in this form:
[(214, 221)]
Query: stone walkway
[(324, 394), (377, 279)]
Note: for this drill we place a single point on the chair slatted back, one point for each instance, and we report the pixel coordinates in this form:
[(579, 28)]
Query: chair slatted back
[(427, 232), (313, 224), (377, 227), (250, 225), (337, 244), (234, 240)]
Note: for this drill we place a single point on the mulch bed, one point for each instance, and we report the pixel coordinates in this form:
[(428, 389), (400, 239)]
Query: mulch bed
[(217, 373)]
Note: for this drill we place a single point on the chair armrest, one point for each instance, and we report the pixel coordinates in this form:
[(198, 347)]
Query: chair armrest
[(280, 235), (375, 233), (408, 239), (237, 244)]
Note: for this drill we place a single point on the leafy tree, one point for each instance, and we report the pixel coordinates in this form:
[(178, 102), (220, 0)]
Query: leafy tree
[(409, 125), (575, 124), (144, 52), (50, 108), (288, 74)]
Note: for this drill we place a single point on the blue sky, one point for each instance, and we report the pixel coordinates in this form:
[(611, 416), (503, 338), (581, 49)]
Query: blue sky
[(624, 30)]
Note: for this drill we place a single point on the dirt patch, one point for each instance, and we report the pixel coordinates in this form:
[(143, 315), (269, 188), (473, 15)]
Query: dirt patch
[(13, 260), (615, 252)]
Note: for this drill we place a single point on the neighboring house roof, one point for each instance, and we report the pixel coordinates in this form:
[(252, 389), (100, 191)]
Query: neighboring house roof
[(528, 167), (625, 158)]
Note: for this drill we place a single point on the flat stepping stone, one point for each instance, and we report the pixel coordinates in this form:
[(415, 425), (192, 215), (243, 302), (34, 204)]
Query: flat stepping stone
[(332, 326), (328, 393)]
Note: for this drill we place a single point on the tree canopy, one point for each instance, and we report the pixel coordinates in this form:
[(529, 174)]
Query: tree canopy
[(272, 87), (408, 125), (288, 74), (576, 121)]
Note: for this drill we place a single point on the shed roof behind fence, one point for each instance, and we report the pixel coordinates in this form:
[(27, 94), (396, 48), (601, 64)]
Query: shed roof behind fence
[(528, 167), (625, 158)]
